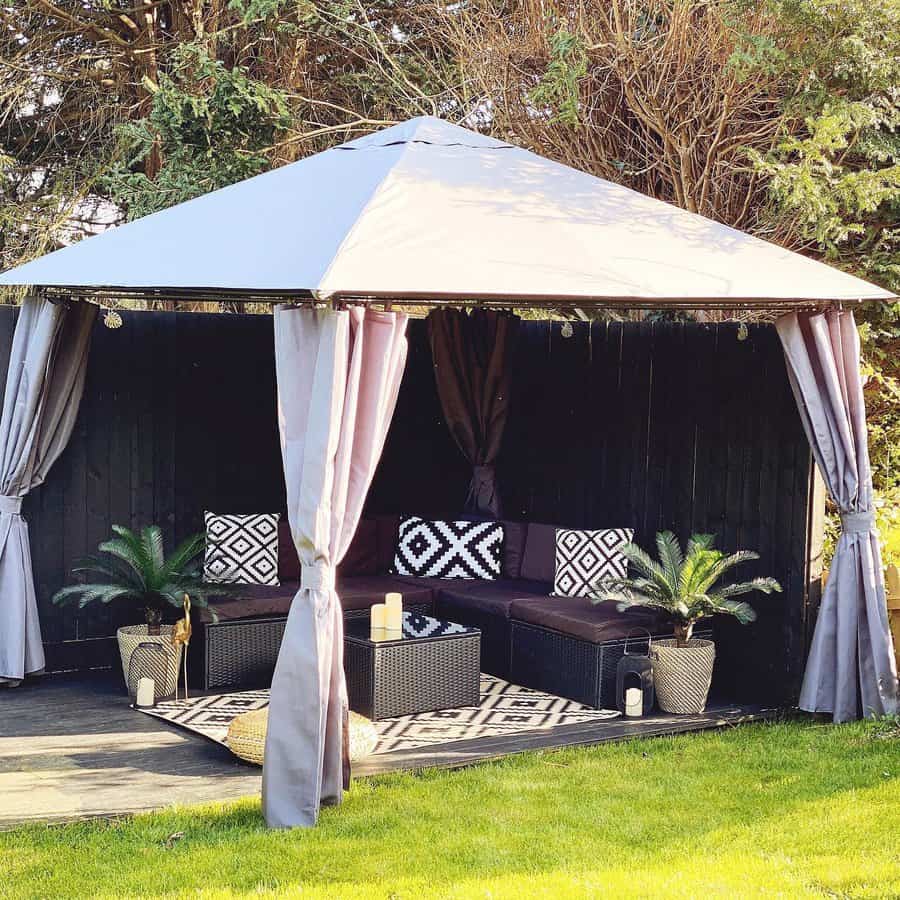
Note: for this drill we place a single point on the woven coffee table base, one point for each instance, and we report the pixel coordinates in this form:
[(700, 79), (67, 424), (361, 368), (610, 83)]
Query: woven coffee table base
[(247, 736)]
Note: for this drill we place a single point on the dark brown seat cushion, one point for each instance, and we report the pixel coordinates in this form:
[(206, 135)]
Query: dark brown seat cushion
[(578, 617), (361, 591), (252, 601), (493, 597)]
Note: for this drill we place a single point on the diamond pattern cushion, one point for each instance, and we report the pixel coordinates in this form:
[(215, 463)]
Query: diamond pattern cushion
[(241, 549), (449, 549), (584, 558)]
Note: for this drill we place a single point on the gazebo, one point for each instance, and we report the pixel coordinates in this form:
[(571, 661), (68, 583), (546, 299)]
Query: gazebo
[(434, 214)]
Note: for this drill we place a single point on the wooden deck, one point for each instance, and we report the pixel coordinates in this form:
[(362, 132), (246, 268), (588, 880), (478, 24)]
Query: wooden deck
[(72, 748)]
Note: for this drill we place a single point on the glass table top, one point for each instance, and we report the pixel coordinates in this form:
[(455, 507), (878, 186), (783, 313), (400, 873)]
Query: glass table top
[(416, 627)]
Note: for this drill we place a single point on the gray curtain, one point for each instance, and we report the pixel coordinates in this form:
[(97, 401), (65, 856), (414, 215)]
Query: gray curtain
[(851, 670), (338, 377), (44, 384)]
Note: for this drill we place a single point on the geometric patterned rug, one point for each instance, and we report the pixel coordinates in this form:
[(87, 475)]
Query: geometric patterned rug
[(504, 709)]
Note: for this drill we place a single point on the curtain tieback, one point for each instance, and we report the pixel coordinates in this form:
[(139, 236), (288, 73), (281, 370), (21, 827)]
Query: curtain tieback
[(10, 505), (858, 522), (317, 576)]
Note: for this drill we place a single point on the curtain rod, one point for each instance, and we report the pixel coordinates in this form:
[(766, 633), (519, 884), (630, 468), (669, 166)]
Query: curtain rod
[(196, 295)]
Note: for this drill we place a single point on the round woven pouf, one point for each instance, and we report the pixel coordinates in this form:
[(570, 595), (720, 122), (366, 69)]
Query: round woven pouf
[(246, 737), (682, 675)]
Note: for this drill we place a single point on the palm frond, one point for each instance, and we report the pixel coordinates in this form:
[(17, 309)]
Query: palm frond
[(128, 553), (152, 542), (763, 585), (699, 542), (109, 566), (743, 612), (646, 565), (721, 566), (185, 554), (670, 556)]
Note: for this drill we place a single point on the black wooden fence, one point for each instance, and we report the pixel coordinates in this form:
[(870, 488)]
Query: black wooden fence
[(679, 426)]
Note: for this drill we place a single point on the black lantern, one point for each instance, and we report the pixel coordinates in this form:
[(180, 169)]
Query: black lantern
[(635, 670)]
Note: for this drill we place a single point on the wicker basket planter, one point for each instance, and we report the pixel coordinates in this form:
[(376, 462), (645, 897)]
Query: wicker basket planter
[(162, 667), (682, 675)]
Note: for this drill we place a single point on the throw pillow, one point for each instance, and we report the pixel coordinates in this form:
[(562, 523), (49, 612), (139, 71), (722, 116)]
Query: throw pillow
[(585, 557), (241, 549), (449, 549)]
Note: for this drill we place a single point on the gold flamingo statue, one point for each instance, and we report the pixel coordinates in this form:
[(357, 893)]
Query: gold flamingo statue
[(181, 635)]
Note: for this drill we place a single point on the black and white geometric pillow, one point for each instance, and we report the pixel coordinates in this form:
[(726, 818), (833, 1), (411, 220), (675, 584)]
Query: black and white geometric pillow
[(585, 557), (449, 549), (241, 549)]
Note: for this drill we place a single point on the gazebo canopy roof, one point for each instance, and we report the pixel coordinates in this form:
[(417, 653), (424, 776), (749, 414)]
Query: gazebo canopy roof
[(428, 211)]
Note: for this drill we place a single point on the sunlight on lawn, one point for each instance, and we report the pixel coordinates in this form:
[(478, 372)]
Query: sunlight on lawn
[(798, 809)]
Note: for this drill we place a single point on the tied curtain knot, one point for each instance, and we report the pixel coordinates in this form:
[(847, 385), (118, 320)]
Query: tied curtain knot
[(317, 576), (857, 522), (12, 506)]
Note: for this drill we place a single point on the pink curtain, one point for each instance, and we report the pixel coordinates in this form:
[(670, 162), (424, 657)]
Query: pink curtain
[(338, 377), (851, 670)]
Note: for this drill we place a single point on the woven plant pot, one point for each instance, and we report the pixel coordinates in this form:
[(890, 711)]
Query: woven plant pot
[(247, 736), (163, 667), (682, 675)]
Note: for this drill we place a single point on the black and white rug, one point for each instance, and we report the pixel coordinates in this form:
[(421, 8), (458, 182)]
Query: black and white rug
[(504, 709)]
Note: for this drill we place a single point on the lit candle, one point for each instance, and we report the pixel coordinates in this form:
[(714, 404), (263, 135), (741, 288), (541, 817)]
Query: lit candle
[(394, 616), (634, 702), (145, 692)]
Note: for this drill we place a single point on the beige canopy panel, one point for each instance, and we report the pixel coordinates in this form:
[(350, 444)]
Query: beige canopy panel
[(428, 211)]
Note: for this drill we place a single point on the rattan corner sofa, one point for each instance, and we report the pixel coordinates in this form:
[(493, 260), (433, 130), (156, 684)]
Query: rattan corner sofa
[(564, 645)]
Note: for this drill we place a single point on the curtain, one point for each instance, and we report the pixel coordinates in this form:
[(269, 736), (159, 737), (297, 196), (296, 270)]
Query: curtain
[(338, 376), (851, 668), (473, 357), (44, 384)]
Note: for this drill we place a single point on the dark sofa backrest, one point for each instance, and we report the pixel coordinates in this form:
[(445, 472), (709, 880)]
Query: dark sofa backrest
[(539, 561)]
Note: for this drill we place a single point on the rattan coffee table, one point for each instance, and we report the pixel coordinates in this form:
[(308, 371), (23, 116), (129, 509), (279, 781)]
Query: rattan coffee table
[(431, 665)]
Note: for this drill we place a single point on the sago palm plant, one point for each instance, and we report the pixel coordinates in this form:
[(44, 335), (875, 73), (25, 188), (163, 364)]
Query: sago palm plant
[(682, 583), (135, 568)]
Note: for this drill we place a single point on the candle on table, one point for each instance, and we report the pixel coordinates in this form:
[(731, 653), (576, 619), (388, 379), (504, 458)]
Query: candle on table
[(394, 611), (634, 702), (145, 692), (378, 616)]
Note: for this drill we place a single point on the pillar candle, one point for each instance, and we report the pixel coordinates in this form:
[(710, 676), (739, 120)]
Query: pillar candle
[(378, 615), (394, 611), (145, 692), (634, 702)]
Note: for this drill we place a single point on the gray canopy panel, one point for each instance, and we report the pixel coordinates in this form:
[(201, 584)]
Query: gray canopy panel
[(426, 209)]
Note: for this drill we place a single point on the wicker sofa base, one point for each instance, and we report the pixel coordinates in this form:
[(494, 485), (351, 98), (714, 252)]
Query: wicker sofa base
[(570, 667), (242, 652)]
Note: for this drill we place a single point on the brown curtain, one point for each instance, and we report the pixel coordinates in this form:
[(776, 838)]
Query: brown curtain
[(473, 354)]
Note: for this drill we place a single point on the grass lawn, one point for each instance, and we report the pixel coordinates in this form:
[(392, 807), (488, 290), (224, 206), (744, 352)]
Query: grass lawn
[(791, 809)]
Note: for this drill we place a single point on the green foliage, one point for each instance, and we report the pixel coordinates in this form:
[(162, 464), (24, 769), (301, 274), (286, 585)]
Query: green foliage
[(682, 583), (209, 123), (135, 569), (557, 91), (835, 172)]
